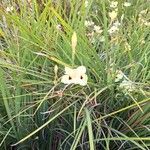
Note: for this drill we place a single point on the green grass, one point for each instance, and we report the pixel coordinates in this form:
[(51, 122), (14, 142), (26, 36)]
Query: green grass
[(37, 111)]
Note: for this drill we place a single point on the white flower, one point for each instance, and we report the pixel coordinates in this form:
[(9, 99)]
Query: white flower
[(75, 76), (127, 4), (113, 4), (113, 15), (119, 75), (102, 39), (117, 23), (93, 40), (122, 17), (143, 41), (88, 23), (143, 21), (97, 29), (86, 3), (127, 85), (143, 11), (58, 27), (96, 11), (113, 29), (146, 23), (127, 46), (9, 9), (90, 34)]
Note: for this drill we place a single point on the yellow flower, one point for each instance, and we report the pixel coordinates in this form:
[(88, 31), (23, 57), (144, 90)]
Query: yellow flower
[(75, 76)]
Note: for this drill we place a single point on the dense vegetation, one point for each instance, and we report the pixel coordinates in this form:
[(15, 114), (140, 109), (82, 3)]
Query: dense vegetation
[(38, 111)]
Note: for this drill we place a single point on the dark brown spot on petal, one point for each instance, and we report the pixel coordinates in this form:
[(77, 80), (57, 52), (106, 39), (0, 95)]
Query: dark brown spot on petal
[(81, 77), (70, 78)]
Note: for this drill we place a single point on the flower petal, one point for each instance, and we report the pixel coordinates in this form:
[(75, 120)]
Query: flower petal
[(81, 69), (65, 79), (68, 70), (84, 79)]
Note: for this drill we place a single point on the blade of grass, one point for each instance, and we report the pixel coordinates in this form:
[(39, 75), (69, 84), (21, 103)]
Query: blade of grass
[(90, 130), (120, 110), (44, 125)]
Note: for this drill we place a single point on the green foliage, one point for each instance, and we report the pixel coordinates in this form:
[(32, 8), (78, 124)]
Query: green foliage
[(37, 111)]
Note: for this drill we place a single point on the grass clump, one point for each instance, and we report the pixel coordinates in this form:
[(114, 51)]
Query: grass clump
[(111, 40)]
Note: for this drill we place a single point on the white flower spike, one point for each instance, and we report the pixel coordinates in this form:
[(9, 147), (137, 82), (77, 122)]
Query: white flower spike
[(75, 76)]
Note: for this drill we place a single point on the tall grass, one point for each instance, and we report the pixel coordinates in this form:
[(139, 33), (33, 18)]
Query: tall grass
[(37, 111)]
